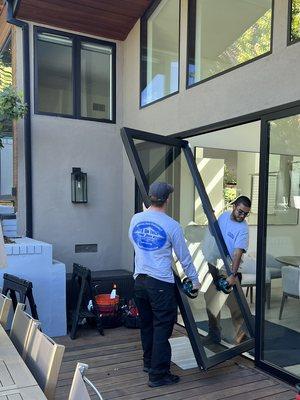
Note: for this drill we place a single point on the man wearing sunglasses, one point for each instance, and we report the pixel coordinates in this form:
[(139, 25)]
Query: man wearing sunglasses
[(235, 232)]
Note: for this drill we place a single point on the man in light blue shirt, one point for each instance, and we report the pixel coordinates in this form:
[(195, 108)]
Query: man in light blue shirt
[(154, 236), (235, 232)]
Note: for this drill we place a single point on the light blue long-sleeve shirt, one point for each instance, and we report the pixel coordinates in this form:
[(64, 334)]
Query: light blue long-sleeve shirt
[(154, 235)]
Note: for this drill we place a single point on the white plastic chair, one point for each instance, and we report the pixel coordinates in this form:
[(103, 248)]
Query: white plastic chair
[(43, 358), (78, 389), (5, 306), (21, 329)]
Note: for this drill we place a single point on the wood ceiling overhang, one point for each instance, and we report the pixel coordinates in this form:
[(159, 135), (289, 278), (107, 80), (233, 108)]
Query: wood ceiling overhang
[(111, 19)]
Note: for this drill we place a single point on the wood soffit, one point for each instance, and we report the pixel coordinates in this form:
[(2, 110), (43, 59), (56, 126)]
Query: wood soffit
[(111, 19)]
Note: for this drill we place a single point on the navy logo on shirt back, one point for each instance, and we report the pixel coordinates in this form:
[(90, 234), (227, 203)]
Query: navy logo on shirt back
[(149, 236)]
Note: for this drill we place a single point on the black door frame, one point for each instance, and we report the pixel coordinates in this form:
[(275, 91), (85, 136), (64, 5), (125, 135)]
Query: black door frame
[(203, 361), (262, 241)]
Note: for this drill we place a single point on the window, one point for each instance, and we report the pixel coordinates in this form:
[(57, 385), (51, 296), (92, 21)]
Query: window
[(7, 134), (160, 51), (75, 76), (294, 21), (225, 34)]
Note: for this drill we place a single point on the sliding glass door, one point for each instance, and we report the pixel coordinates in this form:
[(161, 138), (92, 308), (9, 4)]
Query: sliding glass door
[(278, 349)]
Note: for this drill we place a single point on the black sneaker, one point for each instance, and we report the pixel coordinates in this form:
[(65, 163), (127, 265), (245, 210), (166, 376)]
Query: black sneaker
[(168, 379)]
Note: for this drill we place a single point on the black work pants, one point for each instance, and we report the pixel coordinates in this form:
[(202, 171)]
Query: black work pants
[(156, 302)]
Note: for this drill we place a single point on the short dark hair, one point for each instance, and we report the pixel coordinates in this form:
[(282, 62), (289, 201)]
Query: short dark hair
[(157, 203), (242, 200)]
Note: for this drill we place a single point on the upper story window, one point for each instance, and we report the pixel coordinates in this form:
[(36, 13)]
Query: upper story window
[(226, 34), (294, 21), (74, 76), (160, 51)]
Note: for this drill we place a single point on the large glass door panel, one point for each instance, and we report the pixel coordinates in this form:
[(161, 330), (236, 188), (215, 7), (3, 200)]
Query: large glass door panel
[(280, 334), (158, 158)]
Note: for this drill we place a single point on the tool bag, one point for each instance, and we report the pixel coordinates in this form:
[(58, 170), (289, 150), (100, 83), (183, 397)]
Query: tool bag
[(131, 317)]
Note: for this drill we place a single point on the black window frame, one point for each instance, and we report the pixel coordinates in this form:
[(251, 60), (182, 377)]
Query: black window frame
[(76, 74), (143, 53), (191, 39), (289, 27)]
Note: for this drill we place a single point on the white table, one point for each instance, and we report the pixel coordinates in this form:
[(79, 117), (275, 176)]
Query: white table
[(15, 377), (29, 393), (32, 260)]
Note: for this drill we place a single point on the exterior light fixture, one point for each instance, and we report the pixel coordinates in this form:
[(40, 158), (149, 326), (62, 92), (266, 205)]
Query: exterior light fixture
[(78, 186)]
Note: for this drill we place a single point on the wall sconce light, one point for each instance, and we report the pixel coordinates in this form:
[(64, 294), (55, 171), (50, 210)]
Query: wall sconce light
[(78, 186)]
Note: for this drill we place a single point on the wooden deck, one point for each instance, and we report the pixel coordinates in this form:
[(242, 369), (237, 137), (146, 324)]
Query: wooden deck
[(115, 367)]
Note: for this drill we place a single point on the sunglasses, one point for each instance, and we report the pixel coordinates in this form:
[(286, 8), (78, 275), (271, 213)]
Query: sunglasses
[(241, 212)]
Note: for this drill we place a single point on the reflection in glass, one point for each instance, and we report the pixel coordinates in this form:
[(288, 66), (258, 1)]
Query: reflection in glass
[(6, 153), (160, 52), (54, 72), (165, 163), (282, 322), (225, 34), (295, 20), (96, 81), (5, 65)]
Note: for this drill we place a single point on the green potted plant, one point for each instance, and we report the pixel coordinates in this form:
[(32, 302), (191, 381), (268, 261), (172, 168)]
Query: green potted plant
[(12, 108)]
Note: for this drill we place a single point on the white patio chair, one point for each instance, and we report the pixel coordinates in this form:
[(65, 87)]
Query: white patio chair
[(5, 306), (44, 358), (21, 329), (290, 285), (78, 389)]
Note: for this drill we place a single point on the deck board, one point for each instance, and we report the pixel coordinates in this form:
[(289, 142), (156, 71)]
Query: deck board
[(115, 367)]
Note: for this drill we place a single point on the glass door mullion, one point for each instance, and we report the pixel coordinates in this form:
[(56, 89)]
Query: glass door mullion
[(136, 165)]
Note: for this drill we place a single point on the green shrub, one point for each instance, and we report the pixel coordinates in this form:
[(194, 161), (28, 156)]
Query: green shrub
[(12, 108)]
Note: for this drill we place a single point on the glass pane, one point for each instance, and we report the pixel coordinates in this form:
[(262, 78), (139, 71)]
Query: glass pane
[(282, 322), (96, 81), (160, 68), (6, 153), (295, 20), (212, 310), (225, 34), (54, 73), (5, 65)]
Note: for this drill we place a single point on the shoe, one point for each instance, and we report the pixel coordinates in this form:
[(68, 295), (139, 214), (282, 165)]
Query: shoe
[(146, 369), (168, 379)]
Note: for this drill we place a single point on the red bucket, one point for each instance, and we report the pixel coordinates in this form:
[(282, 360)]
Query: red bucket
[(106, 304)]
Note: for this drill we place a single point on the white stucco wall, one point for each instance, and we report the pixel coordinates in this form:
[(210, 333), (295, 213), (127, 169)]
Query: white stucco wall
[(58, 144)]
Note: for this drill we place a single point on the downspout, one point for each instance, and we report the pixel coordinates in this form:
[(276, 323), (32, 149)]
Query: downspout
[(27, 119)]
